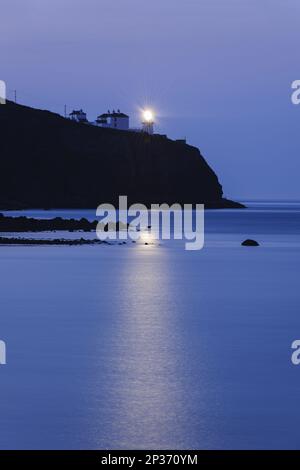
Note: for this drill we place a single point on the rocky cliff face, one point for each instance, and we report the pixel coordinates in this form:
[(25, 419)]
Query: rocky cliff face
[(50, 162)]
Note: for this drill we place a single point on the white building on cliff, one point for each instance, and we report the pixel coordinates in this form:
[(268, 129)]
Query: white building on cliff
[(114, 120), (78, 116)]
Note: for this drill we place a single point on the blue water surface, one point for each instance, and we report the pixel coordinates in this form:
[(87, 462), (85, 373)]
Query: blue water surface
[(151, 346)]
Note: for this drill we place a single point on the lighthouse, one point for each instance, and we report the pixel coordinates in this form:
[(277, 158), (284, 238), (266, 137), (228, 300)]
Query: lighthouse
[(148, 122)]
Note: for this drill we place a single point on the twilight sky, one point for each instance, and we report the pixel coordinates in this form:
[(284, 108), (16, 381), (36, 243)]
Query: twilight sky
[(217, 72)]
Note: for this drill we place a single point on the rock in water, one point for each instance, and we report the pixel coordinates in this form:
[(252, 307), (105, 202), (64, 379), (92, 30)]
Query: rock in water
[(250, 242)]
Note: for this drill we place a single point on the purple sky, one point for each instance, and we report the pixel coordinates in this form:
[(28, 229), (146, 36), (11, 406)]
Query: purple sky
[(216, 71)]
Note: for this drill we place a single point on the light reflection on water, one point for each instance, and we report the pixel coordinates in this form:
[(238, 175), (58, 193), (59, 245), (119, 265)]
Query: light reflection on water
[(147, 345), (148, 391)]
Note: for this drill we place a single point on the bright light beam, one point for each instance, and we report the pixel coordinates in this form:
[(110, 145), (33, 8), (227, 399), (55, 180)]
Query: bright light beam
[(148, 115)]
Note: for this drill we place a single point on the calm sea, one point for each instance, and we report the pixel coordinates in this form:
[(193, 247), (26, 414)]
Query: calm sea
[(139, 346)]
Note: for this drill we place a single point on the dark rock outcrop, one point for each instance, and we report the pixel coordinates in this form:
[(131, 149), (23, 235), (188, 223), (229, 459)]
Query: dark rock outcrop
[(53, 241), (250, 242), (29, 224), (51, 162)]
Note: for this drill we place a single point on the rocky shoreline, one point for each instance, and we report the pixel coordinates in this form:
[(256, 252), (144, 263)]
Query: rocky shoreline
[(55, 241), (30, 224)]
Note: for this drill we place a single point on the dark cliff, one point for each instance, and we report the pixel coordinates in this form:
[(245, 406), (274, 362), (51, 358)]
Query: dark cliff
[(50, 162)]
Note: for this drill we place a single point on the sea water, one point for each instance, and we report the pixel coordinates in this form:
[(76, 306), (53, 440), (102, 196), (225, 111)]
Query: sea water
[(151, 346)]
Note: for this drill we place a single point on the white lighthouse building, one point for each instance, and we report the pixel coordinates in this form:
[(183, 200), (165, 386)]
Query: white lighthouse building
[(148, 122), (114, 120), (117, 120)]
